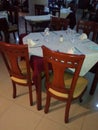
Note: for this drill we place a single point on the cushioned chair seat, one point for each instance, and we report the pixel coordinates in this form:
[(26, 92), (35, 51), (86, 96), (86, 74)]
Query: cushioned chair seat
[(80, 86), (12, 27), (22, 65)]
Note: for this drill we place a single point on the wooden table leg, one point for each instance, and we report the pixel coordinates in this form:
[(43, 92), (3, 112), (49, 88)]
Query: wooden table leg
[(94, 84), (26, 26)]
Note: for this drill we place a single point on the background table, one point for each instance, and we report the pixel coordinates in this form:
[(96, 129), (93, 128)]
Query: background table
[(36, 19)]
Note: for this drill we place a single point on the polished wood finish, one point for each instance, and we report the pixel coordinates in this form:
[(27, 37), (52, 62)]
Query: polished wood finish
[(19, 70), (12, 53), (60, 63)]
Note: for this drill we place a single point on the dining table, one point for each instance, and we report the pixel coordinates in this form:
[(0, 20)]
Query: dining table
[(35, 19), (70, 44), (66, 41), (44, 19)]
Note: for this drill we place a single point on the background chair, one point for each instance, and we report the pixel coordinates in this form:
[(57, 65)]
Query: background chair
[(61, 84), (87, 27), (57, 23), (11, 25), (39, 9), (4, 29), (13, 19)]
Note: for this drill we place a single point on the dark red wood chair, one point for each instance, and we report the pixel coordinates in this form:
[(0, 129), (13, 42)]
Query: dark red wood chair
[(60, 83)]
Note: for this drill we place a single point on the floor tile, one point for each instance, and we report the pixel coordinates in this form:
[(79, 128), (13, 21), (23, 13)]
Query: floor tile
[(19, 118)]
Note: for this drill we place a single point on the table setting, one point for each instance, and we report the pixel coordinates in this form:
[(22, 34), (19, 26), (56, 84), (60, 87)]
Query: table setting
[(72, 42)]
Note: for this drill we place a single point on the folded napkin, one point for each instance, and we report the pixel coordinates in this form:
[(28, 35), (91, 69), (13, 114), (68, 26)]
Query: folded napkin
[(71, 51), (31, 43), (83, 36), (46, 31)]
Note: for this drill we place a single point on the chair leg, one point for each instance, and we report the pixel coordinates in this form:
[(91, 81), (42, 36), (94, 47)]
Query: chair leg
[(94, 84), (1, 37), (37, 82), (30, 95), (39, 97), (67, 111), (14, 89), (14, 35), (48, 98)]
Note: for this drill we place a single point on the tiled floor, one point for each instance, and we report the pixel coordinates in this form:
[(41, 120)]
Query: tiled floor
[(16, 114)]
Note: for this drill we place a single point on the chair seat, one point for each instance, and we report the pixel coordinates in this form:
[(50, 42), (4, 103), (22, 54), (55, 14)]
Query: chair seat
[(22, 65), (13, 27), (80, 86)]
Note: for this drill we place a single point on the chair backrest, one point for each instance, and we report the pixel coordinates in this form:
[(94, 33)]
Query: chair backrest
[(64, 23), (58, 23), (12, 54), (13, 15), (39, 9), (3, 24), (4, 28), (60, 63), (55, 23), (86, 26)]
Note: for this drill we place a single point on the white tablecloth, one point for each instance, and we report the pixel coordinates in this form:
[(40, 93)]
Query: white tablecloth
[(69, 45), (3, 14), (38, 18)]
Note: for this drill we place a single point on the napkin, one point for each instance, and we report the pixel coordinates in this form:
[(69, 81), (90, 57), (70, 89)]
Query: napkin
[(46, 31), (30, 42), (83, 36), (71, 51)]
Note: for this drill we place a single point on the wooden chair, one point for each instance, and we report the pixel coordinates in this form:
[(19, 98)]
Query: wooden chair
[(65, 23), (39, 9), (57, 23), (87, 27), (4, 29), (10, 26), (61, 84), (19, 70), (13, 19)]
